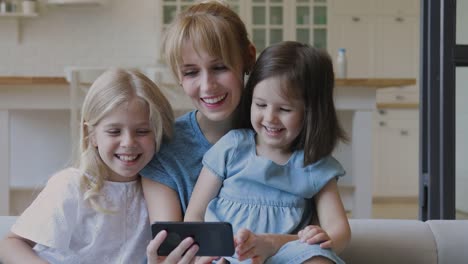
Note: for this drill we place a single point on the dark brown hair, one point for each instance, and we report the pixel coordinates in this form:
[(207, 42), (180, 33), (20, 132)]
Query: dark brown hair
[(306, 73)]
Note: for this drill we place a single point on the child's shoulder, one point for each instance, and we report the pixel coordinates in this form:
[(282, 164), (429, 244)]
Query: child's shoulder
[(66, 178), (241, 134)]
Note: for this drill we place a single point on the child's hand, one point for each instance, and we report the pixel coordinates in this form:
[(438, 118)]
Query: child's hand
[(313, 234), (177, 256), (253, 246)]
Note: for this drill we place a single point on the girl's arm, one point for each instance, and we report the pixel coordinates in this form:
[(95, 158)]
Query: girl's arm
[(163, 202), (16, 249), (206, 188), (332, 216)]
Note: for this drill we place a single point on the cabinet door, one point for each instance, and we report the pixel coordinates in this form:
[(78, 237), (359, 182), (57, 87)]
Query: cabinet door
[(266, 22), (398, 7), (397, 155), (397, 47), (356, 35), (352, 7), (310, 24)]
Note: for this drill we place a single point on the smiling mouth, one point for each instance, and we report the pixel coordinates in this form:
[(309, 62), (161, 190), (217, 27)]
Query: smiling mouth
[(127, 158), (214, 100), (272, 129)]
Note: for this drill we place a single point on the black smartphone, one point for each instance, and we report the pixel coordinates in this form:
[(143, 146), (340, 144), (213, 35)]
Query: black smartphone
[(213, 238)]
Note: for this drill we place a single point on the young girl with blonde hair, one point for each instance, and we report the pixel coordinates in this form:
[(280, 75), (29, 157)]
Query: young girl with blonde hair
[(94, 212)]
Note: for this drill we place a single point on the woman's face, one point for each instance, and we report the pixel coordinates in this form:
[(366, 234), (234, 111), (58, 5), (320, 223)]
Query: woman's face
[(214, 88)]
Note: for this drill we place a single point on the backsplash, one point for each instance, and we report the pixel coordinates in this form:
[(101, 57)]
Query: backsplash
[(121, 33)]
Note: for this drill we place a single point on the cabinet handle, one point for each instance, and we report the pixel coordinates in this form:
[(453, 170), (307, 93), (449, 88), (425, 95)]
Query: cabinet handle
[(381, 123), (355, 19), (404, 132), (399, 97), (399, 19), (382, 112)]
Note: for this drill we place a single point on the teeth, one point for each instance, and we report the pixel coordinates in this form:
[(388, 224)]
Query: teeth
[(271, 129), (214, 100), (127, 157)]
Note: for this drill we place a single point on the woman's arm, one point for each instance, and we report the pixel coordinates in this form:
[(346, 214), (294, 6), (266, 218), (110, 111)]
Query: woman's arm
[(206, 188), (163, 202), (332, 216), (16, 249)]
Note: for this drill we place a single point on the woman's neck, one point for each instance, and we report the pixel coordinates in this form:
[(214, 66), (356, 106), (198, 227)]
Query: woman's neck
[(214, 130)]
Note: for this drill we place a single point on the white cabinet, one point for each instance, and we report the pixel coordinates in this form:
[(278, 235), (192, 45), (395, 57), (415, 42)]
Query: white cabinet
[(396, 47), (396, 150), (381, 37), (397, 7), (356, 35), (270, 21), (352, 7)]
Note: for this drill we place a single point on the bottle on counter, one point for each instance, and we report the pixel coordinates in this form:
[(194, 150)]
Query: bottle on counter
[(3, 6), (341, 64)]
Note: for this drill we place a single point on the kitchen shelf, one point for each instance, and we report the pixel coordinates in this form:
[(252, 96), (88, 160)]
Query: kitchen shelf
[(18, 15), (77, 2)]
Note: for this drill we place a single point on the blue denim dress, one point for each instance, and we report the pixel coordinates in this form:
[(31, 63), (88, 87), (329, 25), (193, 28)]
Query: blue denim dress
[(266, 197)]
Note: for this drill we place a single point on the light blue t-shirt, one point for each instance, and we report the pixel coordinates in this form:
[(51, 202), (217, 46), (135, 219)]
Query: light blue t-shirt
[(179, 161), (259, 194)]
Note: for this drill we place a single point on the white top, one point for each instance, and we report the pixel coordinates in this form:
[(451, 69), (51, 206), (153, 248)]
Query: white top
[(67, 230)]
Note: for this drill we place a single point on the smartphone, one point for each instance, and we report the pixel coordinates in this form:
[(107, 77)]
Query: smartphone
[(213, 238)]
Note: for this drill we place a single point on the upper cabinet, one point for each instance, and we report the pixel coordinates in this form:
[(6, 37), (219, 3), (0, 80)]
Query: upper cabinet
[(352, 7), (381, 37), (271, 21)]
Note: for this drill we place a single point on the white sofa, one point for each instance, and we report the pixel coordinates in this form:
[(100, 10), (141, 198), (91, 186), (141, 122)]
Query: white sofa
[(383, 241)]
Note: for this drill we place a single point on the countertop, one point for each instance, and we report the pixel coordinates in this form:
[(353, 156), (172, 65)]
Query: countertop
[(351, 82)]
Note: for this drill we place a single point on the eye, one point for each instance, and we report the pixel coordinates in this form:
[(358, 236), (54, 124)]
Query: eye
[(220, 67), (143, 131), (260, 105), (287, 110), (189, 72), (113, 132)]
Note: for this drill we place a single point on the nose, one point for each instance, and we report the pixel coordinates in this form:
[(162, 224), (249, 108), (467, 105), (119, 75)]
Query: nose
[(128, 140), (207, 82), (270, 115)]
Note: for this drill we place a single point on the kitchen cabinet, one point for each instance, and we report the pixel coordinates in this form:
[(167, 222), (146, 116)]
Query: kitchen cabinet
[(396, 46), (356, 35), (381, 37), (271, 21), (396, 143)]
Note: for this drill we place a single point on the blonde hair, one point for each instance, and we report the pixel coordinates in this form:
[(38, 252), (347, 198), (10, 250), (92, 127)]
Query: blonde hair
[(110, 90), (213, 27)]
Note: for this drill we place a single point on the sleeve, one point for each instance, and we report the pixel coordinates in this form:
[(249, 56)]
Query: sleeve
[(323, 171), (155, 171), (217, 158), (52, 217)]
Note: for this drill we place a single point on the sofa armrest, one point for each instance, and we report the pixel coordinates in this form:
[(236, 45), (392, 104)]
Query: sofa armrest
[(390, 241), (451, 237)]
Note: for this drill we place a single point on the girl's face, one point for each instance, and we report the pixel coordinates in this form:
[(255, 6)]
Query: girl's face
[(214, 88), (125, 140), (278, 120)]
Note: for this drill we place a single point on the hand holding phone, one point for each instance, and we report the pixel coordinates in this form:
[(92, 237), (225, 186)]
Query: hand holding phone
[(213, 238)]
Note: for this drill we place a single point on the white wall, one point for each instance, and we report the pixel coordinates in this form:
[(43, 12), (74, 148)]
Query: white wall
[(122, 33)]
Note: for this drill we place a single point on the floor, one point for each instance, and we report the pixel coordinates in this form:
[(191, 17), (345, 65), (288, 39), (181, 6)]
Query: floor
[(401, 209)]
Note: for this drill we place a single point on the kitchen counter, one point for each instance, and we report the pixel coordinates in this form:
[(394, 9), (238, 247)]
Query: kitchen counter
[(351, 82)]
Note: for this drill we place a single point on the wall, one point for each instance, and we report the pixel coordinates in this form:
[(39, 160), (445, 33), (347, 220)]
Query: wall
[(120, 33)]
